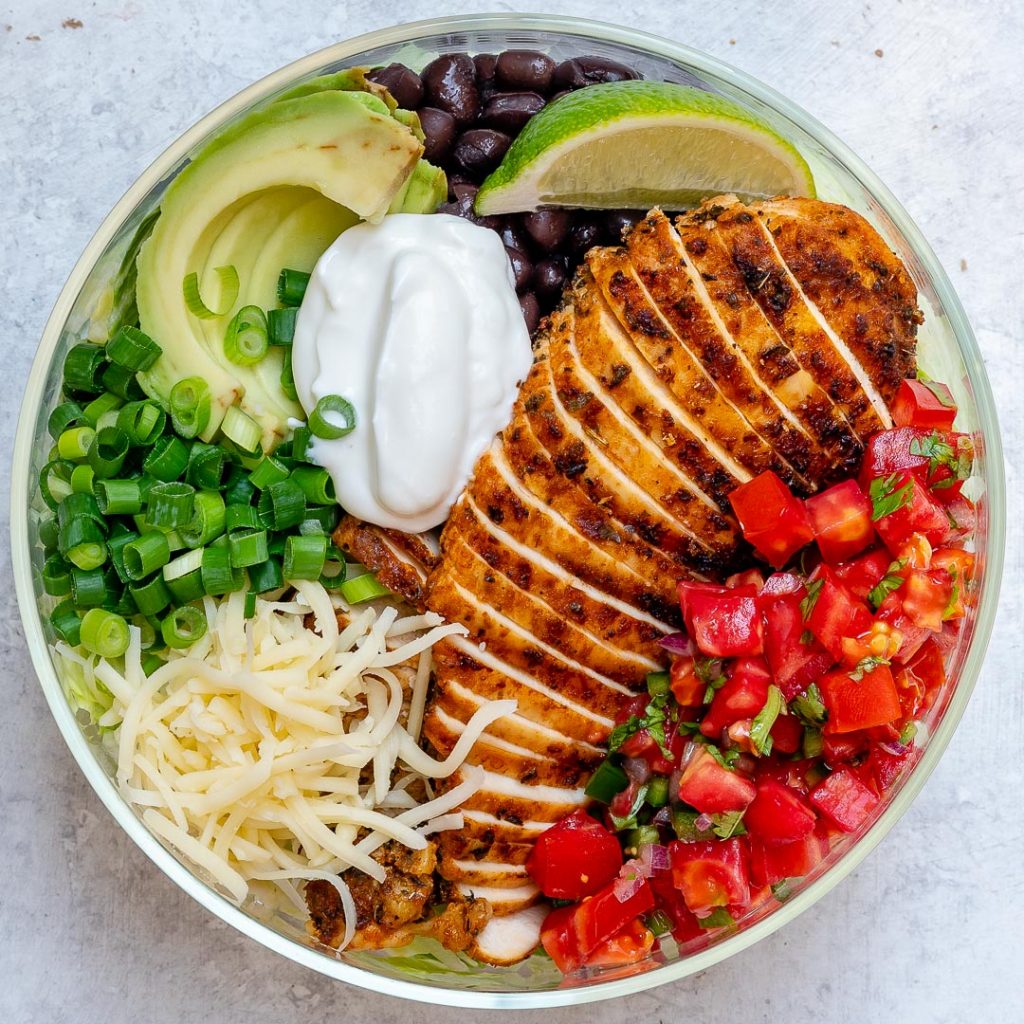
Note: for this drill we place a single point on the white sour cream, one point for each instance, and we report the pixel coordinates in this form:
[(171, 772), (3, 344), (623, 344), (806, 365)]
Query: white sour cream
[(415, 321)]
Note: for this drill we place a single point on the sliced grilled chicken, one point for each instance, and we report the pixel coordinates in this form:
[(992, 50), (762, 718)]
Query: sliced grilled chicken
[(402, 561)]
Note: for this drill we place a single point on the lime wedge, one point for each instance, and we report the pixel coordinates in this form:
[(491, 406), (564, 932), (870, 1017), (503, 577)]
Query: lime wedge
[(636, 145)]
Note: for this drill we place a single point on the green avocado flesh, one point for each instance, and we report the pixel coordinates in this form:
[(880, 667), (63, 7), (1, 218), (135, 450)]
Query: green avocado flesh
[(273, 191)]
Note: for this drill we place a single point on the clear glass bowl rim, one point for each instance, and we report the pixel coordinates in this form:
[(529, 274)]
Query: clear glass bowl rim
[(104, 787)]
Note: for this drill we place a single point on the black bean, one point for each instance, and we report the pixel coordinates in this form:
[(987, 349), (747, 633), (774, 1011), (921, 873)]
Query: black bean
[(522, 268), (450, 83), (580, 71), (524, 69), (453, 181), (584, 235), (439, 128), (549, 276), (548, 228), (484, 64), (464, 189), (405, 85), (531, 311), (480, 150), (513, 235), (559, 95), (509, 111), (618, 222)]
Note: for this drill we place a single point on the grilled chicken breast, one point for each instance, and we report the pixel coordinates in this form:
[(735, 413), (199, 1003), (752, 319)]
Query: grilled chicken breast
[(698, 354)]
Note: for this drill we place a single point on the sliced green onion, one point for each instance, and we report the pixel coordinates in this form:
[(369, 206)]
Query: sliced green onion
[(227, 280), (250, 604), (56, 576), (183, 576), (89, 588), (80, 504), (67, 623), (813, 743), (276, 545), (183, 627), (122, 383), (116, 545), (245, 342), (142, 422), (362, 588), (145, 554), (108, 419), (323, 420), (322, 519), (241, 517), (48, 532), (99, 405), (104, 633), (55, 482), (67, 414), (207, 520), (300, 443), (336, 577), (82, 542), (266, 576), (151, 662), (304, 559), (190, 405), (118, 497), (133, 349), (237, 489), (269, 471), (608, 780), (170, 504), (218, 574), (75, 442), (82, 368), (242, 429), (288, 376), (82, 478), (291, 287), (248, 547), (205, 468), (281, 326), (316, 484), (282, 505), (167, 459), (108, 452)]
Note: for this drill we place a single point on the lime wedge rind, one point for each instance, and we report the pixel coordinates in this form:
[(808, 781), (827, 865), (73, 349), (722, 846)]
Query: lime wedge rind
[(641, 144)]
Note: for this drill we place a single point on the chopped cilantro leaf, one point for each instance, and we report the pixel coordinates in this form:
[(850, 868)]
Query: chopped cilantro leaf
[(809, 707), (709, 672), (623, 731), (761, 727), (726, 758), (629, 820), (718, 918), (954, 594), (886, 498), (866, 665), (892, 580), (806, 637), (940, 391), (653, 721), (813, 593), (908, 734), (729, 824)]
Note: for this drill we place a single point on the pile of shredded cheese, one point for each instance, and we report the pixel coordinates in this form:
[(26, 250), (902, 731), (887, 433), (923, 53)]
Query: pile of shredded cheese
[(271, 752)]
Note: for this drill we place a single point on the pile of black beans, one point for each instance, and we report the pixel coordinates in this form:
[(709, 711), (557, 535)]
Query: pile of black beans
[(471, 108)]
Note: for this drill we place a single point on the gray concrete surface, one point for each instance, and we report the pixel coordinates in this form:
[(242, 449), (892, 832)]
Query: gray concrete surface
[(929, 930)]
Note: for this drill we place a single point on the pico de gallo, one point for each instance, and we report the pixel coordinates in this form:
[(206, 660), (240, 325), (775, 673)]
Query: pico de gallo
[(789, 707)]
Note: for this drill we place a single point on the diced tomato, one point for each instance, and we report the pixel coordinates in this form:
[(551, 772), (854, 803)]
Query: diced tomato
[(629, 946), (713, 789), (778, 814), (918, 512), (723, 622), (668, 898), (748, 578), (884, 766), (710, 873), (796, 775), (687, 687), (863, 574), (836, 613), (772, 519), (742, 695), (918, 682), (780, 583), (888, 451), (574, 858), (795, 661), (961, 514), (771, 863), (928, 405), (842, 748), (570, 935), (859, 703), (841, 520), (912, 636), (925, 596), (787, 734), (844, 799), (960, 566)]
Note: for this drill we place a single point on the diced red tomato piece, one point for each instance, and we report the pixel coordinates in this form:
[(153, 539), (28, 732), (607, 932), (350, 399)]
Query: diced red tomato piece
[(712, 789), (918, 512), (772, 519), (884, 766), (781, 583), (908, 448), (960, 566), (795, 661), (863, 574), (710, 873), (794, 774), (787, 734), (913, 636), (844, 799), (842, 748), (836, 614), (742, 695), (723, 623), (687, 687), (841, 520), (778, 814), (574, 858), (859, 703), (961, 514), (668, 898), (930, 405), (770, 863), (918, 682), (925, 596), (629, 946)]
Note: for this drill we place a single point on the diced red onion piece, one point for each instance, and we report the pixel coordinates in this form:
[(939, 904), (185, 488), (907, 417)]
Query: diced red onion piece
[(626, 888), (677, 643), (703, 822), (895, 749), (637, 770), (654, 857)]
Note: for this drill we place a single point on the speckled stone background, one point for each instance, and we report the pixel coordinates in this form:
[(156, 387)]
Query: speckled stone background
[(931, 928)]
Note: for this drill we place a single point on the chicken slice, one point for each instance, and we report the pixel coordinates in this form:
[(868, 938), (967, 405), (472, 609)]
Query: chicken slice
[(402, 561)]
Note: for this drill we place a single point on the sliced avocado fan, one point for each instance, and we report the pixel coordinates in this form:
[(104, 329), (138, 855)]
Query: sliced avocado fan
[(272, 191)]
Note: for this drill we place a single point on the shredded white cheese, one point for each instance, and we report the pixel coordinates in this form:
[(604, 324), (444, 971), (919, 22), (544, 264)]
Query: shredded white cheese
[(270, 752)]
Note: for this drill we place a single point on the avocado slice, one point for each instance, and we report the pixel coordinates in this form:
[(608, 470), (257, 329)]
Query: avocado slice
[(331, 142)]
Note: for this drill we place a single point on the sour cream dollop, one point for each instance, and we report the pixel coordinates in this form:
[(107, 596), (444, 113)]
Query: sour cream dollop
[(415, 321)]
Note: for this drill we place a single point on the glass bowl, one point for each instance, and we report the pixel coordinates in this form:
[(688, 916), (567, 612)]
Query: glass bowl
[(947, 349)]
